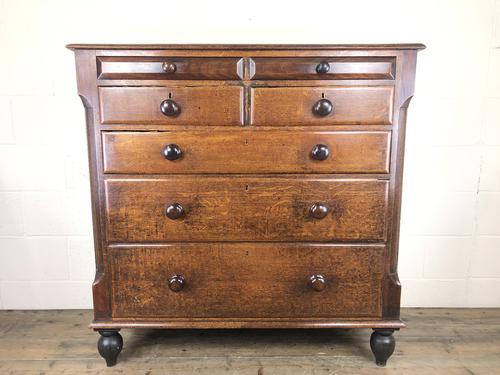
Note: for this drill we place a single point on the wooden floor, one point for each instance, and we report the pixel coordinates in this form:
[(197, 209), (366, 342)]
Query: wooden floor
[(437, 341)]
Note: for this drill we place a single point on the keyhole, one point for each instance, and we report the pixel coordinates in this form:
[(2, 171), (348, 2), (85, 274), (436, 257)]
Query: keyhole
[(322, 95), (246, 141), (170, 95), (246, 187)]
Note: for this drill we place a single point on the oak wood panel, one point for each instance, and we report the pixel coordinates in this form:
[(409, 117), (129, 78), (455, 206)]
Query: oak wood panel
[(252, 53), (399, 53), (253, 323), (133, 67), (245, 209), (245, 47), (235, 129), (246, 82), (242, 280), (293, 106), (204, 105), (307, 68), (87, 90), (246, 152)]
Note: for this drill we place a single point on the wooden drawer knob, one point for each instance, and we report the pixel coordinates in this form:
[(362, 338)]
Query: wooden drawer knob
[(320, 152), (174, 211), (172, 152), (176, 283), (323, 107), (323, 67), (170, 108), (318, 211), (168, 67), (317, 283)]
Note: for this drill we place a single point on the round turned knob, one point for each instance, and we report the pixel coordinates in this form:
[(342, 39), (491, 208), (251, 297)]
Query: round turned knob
[(323, 67), (318, 211), (320, 152), (170, 108), (317, 282), (174, 211), (176, 283), (168, 67), (323, 107), (172, 152)]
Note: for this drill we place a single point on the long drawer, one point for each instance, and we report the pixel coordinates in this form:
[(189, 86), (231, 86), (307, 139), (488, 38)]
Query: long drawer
[(246, 280), (201, 208), (246, 152)]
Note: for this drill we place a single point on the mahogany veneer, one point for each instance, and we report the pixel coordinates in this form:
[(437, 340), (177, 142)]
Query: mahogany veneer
[(246, 186)]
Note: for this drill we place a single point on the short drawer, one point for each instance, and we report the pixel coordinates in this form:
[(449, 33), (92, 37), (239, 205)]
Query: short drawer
[(169, 68), (246, 151), (206, 208), (319, 68), (246, 281), (291, 106), (197, 105)]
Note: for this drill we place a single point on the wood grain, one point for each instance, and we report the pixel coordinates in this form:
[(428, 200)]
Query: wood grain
[(86, 83), (245, 209), (130, 67), (292, 106), (246, 280), (246, 47), (246, 152), (206, 105), (403, 96), (306, 68)]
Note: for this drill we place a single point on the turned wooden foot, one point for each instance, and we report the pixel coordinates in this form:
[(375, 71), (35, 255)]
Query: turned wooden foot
[(382, 343), (109, 345)]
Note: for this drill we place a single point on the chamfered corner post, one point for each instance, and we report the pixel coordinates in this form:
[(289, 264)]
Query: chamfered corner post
[(382, 343), (109, 345)]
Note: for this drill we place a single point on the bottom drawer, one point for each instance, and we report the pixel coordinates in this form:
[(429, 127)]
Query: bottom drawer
[(246, 280)]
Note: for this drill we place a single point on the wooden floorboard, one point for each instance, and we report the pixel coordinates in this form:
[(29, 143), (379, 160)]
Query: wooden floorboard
[(437, 341)]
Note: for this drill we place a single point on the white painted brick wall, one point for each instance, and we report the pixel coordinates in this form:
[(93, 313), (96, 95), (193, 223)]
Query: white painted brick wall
[(450, 232)]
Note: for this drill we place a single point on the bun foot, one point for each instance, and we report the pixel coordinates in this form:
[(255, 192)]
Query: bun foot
[(109, 345), (382, 343)]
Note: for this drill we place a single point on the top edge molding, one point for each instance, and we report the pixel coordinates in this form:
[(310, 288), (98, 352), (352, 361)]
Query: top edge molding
[(245, 47)]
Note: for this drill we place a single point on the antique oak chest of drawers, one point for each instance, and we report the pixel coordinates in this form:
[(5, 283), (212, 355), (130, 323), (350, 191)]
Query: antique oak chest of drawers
[(239, 186)]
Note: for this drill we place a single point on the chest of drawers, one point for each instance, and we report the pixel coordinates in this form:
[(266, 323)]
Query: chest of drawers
[(246, 186)]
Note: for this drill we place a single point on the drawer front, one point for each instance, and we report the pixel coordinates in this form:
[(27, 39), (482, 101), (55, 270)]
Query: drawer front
[(246, 152), (289, 106), (199, 68), (197, 208), (202, 105), (246, 280), (320, 68)]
